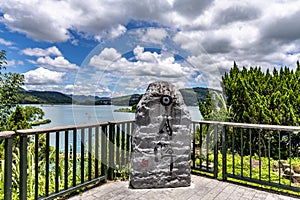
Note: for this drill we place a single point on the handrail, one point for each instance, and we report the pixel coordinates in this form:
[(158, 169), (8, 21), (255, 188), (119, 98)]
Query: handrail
[(253, 126), (78, 148), (24, 132), (7, 134), (233, 124)]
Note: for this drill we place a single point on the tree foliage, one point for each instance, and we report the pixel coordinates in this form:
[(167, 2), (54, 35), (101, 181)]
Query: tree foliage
[(214, 107), (33, 113), (262, 97), (9, 85), (14, 117), (17, 120), (259, 97)]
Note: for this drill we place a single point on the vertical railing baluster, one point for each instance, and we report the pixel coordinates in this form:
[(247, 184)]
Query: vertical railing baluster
[(57, 161), (201, 142), (96, 151), (111, 153), (194, 145), (207, 142), (36, 166), (250, 143), (133, 126), (8, 168), (23, 167), (123, 145), (90, 154), (66, 164), (118, 147), (233, 150), (215, 150), (279, 156), (74, 156), (259, 154), (269, 156), (104, 150), (127, 142), (47, 163), (290, 156), (82, 155), (242, 153), (224, 154)]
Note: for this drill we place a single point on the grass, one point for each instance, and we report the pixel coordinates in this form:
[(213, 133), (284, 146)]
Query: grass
[(242, 168)]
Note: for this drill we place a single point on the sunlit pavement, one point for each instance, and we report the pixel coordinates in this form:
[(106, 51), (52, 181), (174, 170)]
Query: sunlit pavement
[(201, 188)]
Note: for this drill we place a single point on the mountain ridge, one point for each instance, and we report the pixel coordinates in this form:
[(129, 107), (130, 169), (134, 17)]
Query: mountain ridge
[(191, 97)]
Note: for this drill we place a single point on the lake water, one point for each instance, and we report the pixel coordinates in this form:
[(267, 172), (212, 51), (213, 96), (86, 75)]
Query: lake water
[(64, 115)]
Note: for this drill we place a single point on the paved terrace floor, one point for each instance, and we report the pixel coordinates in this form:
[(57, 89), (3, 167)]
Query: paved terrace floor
[(201, 188)]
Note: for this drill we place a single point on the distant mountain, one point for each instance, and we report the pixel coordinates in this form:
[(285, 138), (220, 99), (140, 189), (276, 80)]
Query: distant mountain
[(43, 97), (191, 97), (127, 100)]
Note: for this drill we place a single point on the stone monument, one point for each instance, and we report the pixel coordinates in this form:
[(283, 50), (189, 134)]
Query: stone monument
[(161, 139)]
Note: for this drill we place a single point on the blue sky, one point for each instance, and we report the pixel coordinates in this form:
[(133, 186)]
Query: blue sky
[(111, 48)]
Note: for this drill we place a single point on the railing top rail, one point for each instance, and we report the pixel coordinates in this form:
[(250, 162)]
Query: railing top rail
[(65, 128), (7, 134), (72, 127), (253, 126)]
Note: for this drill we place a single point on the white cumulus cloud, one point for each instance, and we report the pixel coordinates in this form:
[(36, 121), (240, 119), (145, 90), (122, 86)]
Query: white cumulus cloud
[(5, 42), (38, 52), (42, 76), (58, 63), (105, 58)]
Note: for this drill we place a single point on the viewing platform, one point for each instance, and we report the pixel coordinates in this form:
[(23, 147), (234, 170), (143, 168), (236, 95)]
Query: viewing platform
[(202, 188), (259, 157)]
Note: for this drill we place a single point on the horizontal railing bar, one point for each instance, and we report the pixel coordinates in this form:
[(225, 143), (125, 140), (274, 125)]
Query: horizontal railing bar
[(253, 126), (71, 189), (264, 183), (203, 169), (65, 128), (7, 134)]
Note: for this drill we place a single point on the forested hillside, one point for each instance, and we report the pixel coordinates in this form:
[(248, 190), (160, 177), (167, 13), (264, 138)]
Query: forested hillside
[(43, 97)]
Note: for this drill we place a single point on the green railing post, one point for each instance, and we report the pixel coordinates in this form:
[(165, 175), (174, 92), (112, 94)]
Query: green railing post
[(194, 146), (224, 154), (104, 151), (8, 168), (74, 156), (111, 152), (23, 167), (215, 151)]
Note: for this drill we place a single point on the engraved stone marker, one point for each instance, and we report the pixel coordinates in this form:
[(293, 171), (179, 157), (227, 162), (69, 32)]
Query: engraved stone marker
[(161, 140)]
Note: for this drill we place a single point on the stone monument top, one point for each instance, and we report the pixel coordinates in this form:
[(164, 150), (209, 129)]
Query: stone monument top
[(161, 140)]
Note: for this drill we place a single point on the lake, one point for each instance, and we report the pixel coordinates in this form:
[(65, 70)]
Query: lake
[(64, 115)]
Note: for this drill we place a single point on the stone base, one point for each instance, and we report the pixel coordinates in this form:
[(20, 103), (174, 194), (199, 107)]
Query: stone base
[(163, 181)]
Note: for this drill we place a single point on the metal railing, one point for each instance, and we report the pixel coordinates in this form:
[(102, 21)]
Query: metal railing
[(255, 154), (53, 162)]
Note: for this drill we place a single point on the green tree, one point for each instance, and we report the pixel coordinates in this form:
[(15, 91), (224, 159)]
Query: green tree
[(9, 86), (17, 119), (263, 98), (214, 108), (33, 113)]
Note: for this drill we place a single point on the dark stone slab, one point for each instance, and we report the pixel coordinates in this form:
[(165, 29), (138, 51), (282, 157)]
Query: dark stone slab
[(161, 140)]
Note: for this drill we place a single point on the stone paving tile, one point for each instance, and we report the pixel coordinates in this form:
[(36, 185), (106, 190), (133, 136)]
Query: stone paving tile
[(200, 189)]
